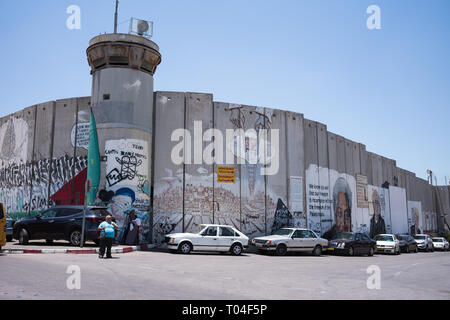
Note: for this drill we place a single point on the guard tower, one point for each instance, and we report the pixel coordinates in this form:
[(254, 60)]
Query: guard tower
[(122, 66)]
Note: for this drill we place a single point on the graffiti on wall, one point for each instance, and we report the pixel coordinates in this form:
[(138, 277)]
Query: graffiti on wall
[(33, 186), (415, 217), (128, 177)]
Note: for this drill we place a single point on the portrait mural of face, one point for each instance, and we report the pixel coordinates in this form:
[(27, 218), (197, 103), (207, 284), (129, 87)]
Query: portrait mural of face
[(342, 204)]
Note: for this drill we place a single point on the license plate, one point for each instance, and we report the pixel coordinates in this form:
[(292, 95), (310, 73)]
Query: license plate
[(380, 249), (330, 249)]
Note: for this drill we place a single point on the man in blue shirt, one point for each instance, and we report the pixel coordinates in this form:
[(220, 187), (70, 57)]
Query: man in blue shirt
[(107, 234)]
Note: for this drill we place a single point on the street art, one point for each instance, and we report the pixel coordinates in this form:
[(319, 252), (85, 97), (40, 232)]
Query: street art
[(283, 218), (379, 211), (14, 140), (399, 211), (80, 134), (127, 168), (24, 187), (415, 219)]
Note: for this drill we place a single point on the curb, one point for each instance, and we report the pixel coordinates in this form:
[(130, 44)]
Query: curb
[(127, 249)]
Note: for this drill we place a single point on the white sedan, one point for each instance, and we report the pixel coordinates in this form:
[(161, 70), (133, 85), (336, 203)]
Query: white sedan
[(440, 243), (387, 243), (292, 239), (211, 237)]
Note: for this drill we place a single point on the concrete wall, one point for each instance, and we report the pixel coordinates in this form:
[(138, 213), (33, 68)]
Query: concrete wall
[(43, 161)]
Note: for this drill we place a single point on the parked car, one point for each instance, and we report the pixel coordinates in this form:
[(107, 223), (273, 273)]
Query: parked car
[(60, 223), (291, 239), (350, 243), (211, 237), (407, 243), (424, 242), (387, 243), (440, 243), (9, 228)]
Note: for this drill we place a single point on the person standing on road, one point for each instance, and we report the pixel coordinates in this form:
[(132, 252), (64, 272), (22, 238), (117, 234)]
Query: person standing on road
[(107, 234), (132, 233)]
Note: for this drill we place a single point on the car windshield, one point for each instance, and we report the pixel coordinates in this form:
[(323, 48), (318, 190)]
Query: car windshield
[(438, 240), (282, 232), (384, 238), (402, 237), (344, 235), (420, 237)]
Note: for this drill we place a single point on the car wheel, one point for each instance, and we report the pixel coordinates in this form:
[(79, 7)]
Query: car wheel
[(23, 236), (9, 238), (416, 250), (185, 248), (407, 249), (236, 249), (75, 238), (371, 251), (398, 251), (351, 251), (317, 251), (49, 241), (281, 250)]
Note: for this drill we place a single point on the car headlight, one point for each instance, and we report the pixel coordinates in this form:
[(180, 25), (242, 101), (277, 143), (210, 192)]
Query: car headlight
[(341, 245)]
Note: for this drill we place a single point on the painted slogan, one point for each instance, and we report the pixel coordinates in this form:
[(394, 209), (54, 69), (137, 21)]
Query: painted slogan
[(127, 175)]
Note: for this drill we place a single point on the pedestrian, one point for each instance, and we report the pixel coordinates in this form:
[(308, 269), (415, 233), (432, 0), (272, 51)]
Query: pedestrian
[(132, 234), (107, 234)]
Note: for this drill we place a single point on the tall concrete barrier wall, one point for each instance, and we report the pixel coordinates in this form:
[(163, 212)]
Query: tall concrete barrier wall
[(323, 181)]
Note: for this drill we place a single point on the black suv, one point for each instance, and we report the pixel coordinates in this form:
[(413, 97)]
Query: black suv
[(60, 223)]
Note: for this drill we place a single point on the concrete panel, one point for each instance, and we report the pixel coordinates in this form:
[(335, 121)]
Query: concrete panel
[(227, 195), (168, 176), (356, 158), (322, 147), (340, 144), (253, 189), (42, 156), (16, 148), (332, 151), (276, 186), (296, 168), (369, 170), (311, 148), (363, 159), (349, 166), (199, 178)]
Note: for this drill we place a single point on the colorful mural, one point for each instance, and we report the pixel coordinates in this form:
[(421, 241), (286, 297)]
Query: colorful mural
[(128, 173)]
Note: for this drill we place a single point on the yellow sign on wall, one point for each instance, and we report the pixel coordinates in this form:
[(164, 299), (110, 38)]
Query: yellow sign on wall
[(226, 174)]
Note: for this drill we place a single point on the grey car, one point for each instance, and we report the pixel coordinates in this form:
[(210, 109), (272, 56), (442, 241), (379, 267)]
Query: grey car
[(291, 239)]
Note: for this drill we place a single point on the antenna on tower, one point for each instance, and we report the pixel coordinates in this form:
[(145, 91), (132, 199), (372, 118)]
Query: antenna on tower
[(115, 16)]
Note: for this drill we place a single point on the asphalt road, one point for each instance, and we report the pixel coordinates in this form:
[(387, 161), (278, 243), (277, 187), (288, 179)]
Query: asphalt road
[(160, 275)]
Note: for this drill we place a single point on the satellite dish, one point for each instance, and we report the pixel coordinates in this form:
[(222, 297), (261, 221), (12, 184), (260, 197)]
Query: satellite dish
[(141, 27)]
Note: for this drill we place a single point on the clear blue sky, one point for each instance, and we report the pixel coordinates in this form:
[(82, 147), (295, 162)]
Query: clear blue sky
[(388, 88)]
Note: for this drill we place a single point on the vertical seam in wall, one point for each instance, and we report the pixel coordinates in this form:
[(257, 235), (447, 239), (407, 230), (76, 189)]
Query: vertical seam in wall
[(72, 185), (52, 140), (305, 206), (240, 172), (184, 162), (32, 159), (318, 175), (288, 187), (265, 172), (152, 169), (214, 162)]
